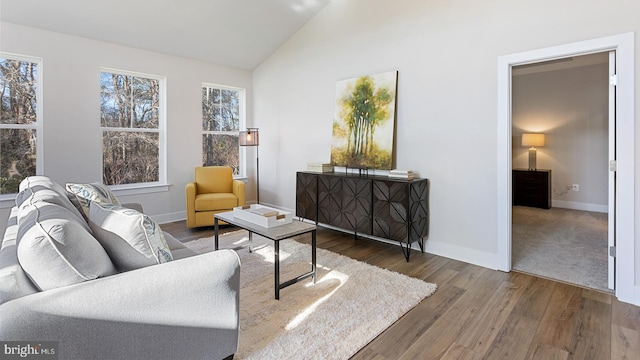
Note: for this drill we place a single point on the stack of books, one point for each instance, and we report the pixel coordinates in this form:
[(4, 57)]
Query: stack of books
[(401, 174), (320, 167)]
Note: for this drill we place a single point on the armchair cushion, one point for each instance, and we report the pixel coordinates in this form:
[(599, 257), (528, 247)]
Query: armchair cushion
[(132, 239), (214, 179), (216, 201)]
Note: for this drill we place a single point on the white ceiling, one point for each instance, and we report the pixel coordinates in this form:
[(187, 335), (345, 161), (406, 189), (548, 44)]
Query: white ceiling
[(237, 33)]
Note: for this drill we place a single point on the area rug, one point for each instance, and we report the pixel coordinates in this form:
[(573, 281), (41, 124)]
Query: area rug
[(351, 303)]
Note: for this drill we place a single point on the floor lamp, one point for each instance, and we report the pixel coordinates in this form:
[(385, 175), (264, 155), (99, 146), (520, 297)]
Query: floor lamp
[(250, 137)]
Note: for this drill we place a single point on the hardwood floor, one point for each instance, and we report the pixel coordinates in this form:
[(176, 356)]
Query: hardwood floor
[(478, 313)]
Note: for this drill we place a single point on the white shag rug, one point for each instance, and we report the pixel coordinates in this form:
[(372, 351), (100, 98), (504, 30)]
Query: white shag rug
[(351, 303)]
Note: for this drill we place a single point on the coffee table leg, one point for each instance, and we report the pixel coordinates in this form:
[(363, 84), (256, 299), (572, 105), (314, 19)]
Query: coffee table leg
[(215, 227), (250, 242), (313, 254), (276, 261)]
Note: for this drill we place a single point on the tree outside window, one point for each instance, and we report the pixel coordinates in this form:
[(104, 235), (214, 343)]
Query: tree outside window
[(222, 115), (130, 117), (20, 123)]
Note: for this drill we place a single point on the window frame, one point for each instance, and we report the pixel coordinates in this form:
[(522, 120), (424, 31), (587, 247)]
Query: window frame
[(8, 200), (146, 187), (242, 94)]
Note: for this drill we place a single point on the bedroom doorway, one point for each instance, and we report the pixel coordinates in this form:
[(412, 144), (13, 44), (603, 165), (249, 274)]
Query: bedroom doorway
[(624, 194), (566, 100)]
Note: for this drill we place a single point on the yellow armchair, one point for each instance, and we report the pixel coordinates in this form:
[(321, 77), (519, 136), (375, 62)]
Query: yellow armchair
[(213, 191)]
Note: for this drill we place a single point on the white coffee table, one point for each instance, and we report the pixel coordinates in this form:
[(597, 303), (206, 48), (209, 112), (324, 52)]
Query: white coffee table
[(276, 234)]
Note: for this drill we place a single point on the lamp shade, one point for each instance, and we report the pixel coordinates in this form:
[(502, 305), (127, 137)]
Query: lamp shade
[(533, 140), (249, 137)]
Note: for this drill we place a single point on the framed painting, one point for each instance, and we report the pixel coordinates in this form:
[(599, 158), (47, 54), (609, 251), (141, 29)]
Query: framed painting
[(364, 122)]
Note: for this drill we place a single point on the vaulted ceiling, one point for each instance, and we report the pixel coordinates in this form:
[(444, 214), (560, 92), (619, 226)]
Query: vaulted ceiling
[(237, 33)]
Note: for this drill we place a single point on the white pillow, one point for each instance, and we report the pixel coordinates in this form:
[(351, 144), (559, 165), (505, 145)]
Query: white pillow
[(132, 239), (56, 251), (81, 195)]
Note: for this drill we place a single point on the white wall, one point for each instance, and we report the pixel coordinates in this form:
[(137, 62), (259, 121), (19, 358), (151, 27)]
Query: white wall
[(71, 86), (570, 107), (446, 55)]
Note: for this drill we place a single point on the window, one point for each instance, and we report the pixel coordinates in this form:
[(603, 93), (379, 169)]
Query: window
[(131, 118), (222, 117), (20, 120)]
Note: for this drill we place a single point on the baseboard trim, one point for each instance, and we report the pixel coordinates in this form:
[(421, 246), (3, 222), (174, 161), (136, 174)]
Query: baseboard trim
[(464, 254), (580, 206), (168, 218)]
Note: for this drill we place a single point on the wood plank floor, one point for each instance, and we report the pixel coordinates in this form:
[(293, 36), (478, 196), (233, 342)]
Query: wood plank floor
[(478, 313)]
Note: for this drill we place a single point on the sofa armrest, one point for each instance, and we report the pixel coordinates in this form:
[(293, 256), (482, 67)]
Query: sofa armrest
[(135, 206), (184, 309), (239, 191)]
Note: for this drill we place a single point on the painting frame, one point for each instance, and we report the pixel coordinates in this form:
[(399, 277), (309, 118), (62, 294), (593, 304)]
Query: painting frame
[(364, 122)]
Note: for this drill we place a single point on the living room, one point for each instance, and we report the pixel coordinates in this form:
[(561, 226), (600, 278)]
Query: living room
[(446, 55)]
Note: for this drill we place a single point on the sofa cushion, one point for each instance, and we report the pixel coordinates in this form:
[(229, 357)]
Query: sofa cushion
[(14, 283), (81, 195), (132, 239), (43, 181), (216, 201), (56, 251), (40, 188)]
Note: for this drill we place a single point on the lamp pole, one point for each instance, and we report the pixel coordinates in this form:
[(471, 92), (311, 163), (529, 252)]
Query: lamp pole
[(257, 175)]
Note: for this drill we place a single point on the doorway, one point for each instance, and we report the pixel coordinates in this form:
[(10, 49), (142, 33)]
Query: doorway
[(623, 45), (565, 102)]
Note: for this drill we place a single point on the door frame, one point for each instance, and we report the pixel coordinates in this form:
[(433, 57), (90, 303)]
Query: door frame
[(623, 45)]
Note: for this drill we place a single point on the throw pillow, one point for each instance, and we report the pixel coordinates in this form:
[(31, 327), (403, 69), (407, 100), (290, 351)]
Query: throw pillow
[(132, 239), (58, 251), (81, 195)]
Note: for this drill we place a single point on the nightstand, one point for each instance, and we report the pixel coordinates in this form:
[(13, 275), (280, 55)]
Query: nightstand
[(532, 188)]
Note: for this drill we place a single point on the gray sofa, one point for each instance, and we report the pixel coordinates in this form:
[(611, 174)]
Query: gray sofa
[(104, 282)]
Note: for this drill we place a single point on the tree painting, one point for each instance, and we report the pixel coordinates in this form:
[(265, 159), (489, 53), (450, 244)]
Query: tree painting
[(364, 120)]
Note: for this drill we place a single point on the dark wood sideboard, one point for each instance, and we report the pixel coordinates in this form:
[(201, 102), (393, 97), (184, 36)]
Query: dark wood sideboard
[(394, 209), (532, 188)]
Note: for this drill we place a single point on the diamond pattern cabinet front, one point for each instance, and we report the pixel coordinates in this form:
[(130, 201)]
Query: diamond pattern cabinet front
[(330, 200), (400, 210), (356, 205), (307, 196), (393, 209)]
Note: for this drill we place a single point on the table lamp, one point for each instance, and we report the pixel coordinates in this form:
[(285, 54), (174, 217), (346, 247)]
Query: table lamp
[(532, 140)]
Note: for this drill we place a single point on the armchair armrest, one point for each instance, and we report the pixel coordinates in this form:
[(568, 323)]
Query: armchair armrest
[(239, 191), (186, 308), (190, 194)]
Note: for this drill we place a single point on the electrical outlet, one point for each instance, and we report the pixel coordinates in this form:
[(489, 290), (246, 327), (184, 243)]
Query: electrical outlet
[(575, 187)]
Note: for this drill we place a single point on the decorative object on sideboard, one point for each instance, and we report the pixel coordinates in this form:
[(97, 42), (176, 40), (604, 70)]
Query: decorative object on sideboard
[(532, 140), (364, 122), (402, 174), (251, 137), (320, 167)]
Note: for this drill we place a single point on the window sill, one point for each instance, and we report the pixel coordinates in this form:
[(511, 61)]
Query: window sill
[(127, 190), (7, 202)]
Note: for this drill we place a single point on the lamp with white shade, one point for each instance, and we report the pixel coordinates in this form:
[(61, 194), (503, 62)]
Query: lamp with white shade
[(532, 140)]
